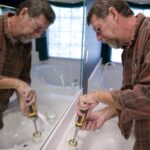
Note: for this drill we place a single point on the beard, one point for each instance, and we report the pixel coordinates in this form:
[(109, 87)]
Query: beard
[(22, 38), (114, 43), (25, 38)]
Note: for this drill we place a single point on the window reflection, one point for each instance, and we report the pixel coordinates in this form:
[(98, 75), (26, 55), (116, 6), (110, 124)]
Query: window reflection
[(65, 35)]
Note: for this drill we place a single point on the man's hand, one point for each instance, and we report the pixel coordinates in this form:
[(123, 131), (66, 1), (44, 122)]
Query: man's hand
[(23, 104), (86, 102), (26, 96), (95, 120), (89, 101), (26, 91)]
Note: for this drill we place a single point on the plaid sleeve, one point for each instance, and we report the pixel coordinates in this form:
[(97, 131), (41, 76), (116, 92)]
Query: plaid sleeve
[(135, 103)]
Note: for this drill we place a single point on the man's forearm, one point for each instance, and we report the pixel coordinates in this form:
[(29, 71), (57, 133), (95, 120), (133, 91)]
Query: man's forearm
[(106, 97), (9, 83), (109, 112)]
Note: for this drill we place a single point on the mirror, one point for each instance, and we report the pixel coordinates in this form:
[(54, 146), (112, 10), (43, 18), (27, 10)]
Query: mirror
[(61, 74), (56, 80)]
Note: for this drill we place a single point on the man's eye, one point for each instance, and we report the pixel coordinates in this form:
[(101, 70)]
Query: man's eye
[(98, 30)]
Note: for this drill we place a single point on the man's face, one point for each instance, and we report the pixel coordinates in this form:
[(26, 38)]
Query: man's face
[(31, 27), (106, 31)]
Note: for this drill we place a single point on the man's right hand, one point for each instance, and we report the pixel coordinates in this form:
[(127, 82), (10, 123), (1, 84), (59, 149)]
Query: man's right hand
[(26, 96), (86, 102), (89, 101), (26, 91)]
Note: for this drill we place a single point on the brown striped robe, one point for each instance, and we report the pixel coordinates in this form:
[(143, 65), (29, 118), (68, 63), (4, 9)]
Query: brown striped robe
[(134, 96)]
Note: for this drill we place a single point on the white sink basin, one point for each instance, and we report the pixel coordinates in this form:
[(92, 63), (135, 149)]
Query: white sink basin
[(106, 138), (17, 132)]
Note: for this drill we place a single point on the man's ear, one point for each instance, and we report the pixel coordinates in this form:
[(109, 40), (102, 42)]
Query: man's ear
[(113, 13), (24, 11)]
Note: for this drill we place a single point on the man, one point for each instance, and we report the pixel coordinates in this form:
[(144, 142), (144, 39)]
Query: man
[(114, 24), (16, 32)]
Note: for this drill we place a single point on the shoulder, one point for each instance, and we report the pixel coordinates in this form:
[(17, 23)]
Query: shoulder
[(145, 29), (145, 34), (146, 24)]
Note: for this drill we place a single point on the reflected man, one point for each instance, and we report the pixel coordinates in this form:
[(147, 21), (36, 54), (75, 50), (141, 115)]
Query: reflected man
[(16, 32)]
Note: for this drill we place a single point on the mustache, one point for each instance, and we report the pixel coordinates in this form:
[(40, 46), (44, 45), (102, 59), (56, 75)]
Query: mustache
[(26, 38), (112, 43)]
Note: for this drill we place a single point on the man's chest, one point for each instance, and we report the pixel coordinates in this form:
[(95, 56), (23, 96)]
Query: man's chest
[(14, 60)]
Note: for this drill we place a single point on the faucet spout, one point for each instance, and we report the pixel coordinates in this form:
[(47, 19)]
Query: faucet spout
[(62, 80)]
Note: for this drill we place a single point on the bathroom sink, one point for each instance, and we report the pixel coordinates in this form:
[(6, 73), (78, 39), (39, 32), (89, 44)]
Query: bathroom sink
[(106, 138), (17, 133), (18, 130)]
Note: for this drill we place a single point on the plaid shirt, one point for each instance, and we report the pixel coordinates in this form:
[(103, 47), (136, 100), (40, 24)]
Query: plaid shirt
[(15, 60), (134, 96)]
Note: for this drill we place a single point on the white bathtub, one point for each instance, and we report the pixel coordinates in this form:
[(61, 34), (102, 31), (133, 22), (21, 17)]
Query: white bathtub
[(52, 102), (55, 75)]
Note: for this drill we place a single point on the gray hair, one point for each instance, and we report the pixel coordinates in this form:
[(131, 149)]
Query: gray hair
[(101, 8), (38, 7)]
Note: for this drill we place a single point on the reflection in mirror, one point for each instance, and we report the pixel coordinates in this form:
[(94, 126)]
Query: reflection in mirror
[(56, 80)]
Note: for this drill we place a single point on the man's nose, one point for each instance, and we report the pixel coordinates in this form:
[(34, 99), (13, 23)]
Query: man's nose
[(99, 37), (37, 35)]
